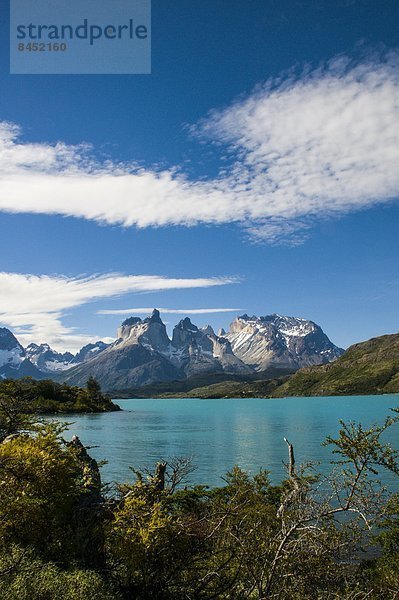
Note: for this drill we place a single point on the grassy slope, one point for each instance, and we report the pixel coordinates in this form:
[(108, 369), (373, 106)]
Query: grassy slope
[(230, 389), (370, 367)]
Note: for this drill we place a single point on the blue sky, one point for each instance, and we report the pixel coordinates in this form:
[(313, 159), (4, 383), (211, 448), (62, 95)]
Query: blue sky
[(290, 191)]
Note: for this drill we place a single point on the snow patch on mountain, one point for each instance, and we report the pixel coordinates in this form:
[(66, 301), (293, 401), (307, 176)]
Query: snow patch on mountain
[(48, 360)]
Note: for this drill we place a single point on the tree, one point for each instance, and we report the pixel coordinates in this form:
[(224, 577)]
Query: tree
[(311, 535), (14, 409), (41, 483), (93, 388)]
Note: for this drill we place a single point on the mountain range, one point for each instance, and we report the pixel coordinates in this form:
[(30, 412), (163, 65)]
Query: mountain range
[(143, 353), (366, 368)]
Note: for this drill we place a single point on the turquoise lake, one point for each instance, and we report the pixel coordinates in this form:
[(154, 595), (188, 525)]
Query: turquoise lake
[(218, 434)]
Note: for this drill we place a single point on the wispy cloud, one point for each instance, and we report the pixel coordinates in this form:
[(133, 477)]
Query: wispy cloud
[(171, 311), (302, 148), (34, 305)]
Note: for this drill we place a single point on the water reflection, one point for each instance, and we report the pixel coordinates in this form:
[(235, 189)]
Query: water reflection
[(221, 433)]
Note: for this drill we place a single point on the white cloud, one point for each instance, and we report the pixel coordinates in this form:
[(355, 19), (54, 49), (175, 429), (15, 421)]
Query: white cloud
[(171, 311), (34, 305), (307, 147)]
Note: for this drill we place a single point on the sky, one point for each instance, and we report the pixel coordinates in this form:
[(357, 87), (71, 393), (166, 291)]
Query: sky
[(254, 170)]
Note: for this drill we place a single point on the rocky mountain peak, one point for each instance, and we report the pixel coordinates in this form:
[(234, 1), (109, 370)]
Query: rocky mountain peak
[(185, 333), (200, 350), (187, 325), (46, 359), (207, 330), (33, 348), (150, 332), (12, 354), (129, 326), (131, 321), (89, 351), (8, 341), (154, 318)]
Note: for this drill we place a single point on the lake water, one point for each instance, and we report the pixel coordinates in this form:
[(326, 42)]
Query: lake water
[(221, 433)]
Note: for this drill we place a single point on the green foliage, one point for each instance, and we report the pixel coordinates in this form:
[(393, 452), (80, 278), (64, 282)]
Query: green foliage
[(142, 540), (40, 485), (60, 537), (24, 576), (47, 397), (14, 406), (384, 571), (389, 536), (361, 448), (93, 388)]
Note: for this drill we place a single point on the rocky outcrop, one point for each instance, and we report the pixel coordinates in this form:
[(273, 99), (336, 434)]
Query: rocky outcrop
[(200, 350), (150, 332)]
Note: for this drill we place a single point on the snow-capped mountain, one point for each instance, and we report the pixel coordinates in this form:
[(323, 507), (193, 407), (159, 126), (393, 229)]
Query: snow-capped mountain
[(48, 360), (39, 360), (143, 353), (279, 341), (12, 354), (190, 349), (11, 351), (13, 360), (88, 352)]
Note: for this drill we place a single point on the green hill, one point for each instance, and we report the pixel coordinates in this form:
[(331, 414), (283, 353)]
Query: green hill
[(230, 389), (370, 367)]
